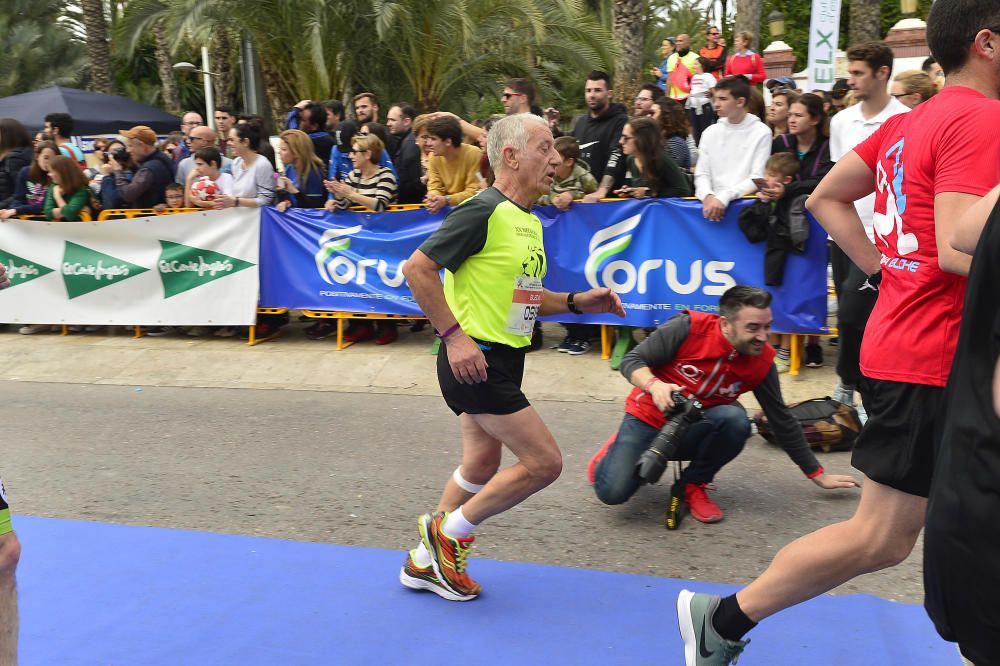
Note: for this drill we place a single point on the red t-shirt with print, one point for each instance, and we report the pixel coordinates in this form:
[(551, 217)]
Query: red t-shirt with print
[(950, 143)]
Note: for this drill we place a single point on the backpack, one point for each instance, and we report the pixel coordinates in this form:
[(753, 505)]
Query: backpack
[(828, 425)]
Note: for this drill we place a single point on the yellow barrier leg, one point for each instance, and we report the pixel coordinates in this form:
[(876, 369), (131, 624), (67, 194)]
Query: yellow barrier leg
[(340, 334), (795, 362), (605, 342), (252, 335), (65, 330)]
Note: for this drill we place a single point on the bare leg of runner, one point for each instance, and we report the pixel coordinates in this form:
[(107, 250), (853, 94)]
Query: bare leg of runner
[(480, 462), (10, 551), (881, 534), (539, 463)]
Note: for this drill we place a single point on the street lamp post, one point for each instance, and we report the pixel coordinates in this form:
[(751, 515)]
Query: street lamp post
[(908, 7), (207, 74)]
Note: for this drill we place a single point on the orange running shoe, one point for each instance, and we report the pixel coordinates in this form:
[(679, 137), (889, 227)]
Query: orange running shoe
[(448, 556), (423, 578)]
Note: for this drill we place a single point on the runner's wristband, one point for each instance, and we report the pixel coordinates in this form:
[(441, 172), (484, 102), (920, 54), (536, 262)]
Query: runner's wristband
[(649, 382), (570, 305), (451, 330)]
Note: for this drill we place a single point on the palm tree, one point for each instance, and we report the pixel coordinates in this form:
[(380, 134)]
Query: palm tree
[(98, 46), (444, 48), (628, 23), (39, 51), (865, 21), (171, 95), (748, 18)]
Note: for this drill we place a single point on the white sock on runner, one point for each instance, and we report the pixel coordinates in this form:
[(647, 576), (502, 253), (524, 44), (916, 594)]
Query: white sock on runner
[(421, 557), (456, 526)]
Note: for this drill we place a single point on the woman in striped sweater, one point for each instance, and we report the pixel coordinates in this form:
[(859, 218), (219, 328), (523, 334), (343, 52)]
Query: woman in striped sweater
[(369, 184)]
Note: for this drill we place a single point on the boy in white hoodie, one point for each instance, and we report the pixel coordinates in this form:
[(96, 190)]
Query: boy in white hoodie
[(732, 152)]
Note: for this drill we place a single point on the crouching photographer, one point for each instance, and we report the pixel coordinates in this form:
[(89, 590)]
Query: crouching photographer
[(692, 370)]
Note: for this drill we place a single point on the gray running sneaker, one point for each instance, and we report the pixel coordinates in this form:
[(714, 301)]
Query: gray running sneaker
[(702, 645)]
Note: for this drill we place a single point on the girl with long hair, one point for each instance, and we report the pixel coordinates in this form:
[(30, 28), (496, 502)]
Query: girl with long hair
[(69, 195), (32, 183), (16, 153), (676, 130), (301, 186), (649, 169)]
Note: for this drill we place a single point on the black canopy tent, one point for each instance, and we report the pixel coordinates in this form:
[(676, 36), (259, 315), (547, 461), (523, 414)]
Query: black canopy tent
[(93, 113)]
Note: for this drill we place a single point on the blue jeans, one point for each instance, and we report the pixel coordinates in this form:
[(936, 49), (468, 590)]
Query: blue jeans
[(709, 444)]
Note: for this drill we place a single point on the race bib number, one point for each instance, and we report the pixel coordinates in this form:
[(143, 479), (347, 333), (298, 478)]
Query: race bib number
[(524, 306)]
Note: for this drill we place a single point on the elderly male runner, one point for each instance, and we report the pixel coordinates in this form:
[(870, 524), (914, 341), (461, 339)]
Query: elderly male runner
[(10, 550), (491, 247), (926, 167)]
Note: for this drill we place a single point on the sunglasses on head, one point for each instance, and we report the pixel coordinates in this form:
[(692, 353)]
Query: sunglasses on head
[(839, 93)]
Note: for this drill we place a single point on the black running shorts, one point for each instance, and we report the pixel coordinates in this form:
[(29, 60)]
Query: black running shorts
[(896, 447), (499, 394)]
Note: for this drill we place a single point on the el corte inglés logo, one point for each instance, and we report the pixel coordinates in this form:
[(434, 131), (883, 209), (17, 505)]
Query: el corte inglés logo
[(21, 270), (183, 267), (85, 270)]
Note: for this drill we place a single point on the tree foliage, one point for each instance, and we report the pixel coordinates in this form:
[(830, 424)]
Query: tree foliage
[(40, 49)]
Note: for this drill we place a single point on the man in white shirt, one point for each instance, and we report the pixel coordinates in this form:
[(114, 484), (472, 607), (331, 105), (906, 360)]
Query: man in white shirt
[(732, 152), (869, 69)]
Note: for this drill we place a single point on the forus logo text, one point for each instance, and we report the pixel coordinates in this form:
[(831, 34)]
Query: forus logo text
[(623, 277), (337, 268)]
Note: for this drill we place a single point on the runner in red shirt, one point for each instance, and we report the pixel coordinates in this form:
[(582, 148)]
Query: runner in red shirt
[(927, 168)]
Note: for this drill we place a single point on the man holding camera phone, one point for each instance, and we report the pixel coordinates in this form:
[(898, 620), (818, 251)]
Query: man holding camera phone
[(712, 359)]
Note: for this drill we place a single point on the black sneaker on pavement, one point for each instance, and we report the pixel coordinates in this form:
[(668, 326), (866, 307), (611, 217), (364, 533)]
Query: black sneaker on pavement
[(814, 356), (577, 347), (564, 345)]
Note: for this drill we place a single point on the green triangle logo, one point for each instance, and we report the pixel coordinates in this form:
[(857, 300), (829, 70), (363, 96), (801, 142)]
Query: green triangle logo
[(85, 270), (183, 267), (21, 270)]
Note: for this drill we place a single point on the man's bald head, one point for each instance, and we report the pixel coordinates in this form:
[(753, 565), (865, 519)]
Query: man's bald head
[(204, 133)]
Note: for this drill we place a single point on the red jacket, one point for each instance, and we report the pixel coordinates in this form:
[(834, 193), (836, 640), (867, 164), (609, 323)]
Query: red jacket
[(750, 66), (708, 367)]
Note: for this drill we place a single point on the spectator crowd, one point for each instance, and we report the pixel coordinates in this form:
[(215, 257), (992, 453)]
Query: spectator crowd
[(709, 125)]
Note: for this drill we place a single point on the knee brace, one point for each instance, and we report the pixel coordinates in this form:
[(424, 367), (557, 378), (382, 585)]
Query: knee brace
[(465, 485)]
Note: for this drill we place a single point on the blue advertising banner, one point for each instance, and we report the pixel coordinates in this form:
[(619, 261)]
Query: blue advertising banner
[(660, 255)]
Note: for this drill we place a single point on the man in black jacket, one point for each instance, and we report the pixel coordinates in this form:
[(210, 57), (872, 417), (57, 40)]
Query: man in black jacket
[(406, 155), (155, 172), (597, 133)]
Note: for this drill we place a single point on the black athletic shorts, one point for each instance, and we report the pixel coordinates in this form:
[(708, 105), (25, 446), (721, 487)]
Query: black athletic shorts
[(499, 394), (896, 447)]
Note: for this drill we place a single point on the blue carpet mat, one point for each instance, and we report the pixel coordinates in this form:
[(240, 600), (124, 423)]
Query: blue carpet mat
[(95, 593)]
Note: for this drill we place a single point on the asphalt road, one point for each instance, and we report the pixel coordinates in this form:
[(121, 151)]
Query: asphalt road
[(355, 468)]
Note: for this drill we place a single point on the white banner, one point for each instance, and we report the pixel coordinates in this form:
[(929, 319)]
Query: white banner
[(188, 269), (824, 31)]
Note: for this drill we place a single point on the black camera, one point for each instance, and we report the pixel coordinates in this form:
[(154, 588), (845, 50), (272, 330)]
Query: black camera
[(120, 155), (664, 447)]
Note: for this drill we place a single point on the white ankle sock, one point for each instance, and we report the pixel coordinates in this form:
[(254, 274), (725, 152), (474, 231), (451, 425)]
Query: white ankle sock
[(456, 526), (421, 557)]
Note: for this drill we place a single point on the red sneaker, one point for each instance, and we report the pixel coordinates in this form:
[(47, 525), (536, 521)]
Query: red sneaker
[(701, 507), (387, 333), (599, 456), (359, 333)]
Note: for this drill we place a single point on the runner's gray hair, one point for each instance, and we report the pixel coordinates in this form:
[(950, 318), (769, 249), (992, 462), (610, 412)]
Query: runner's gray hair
[(510, 131)]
